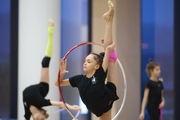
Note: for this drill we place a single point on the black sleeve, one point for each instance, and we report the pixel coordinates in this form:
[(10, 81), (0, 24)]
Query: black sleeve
[(148, 85), (42, 102), (46, 102), (75, 80)]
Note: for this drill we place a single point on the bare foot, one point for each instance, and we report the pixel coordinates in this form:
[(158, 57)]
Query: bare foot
[(110, 4), (50, 23), (110, 14)]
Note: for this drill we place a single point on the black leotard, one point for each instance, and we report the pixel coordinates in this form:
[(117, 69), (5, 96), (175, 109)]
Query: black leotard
[(35, 95), (96, 95)]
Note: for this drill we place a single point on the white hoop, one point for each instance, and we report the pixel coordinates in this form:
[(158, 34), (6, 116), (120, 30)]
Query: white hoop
[(125, 90)]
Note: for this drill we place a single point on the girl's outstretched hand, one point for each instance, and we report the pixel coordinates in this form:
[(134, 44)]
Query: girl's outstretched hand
[(63, 65)]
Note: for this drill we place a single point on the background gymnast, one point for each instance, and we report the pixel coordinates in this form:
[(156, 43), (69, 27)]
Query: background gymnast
[(96, 95), (153, 92), (34, 95)]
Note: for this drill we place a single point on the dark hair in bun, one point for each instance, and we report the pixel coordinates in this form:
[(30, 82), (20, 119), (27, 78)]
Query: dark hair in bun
[(150, 66), (99, 57), (150, 60), (102, 54)]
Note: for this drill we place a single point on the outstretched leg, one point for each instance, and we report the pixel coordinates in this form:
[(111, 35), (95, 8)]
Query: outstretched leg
[(48, 54), (108, 16), (112, 71)]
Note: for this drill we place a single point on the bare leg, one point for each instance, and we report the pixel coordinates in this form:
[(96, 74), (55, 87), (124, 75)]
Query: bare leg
[(108, 16), (46, 60), (112, 73), (106, 116), (44, 75)]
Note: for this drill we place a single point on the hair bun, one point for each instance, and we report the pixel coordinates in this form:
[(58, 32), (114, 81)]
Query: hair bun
[(102, 54), (150, 60)]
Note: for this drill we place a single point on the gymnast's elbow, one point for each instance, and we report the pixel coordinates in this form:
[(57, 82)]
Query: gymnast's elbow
[(56, 83)]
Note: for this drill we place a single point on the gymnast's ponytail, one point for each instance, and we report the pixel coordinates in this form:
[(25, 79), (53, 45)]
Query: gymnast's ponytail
[(99, 57)]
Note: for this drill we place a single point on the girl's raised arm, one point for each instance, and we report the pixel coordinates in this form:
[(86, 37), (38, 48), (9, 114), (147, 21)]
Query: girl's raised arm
[(63, 71), (106, 57)]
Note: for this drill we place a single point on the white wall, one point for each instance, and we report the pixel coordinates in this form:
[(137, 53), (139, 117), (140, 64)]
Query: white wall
[(33, 16)]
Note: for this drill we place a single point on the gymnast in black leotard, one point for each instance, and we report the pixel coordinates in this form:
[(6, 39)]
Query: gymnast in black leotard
[(34, 95)]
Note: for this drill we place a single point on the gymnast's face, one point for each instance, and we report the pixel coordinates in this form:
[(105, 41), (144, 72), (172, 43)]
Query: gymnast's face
[(90, 64), (156, 71)]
